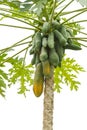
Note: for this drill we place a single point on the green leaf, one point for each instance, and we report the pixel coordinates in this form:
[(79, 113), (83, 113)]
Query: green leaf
[(2, 57), (2, 87), (67, 74), (2, 83), (3, 74), (20, 73), (38, 6)]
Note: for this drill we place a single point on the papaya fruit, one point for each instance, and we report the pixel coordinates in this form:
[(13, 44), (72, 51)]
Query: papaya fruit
[(37, 41), (60, 51), (73, 47), (44, 42), (38, 80), (46, 68), (53, 57), (51, 40), (69, 33), (63, 31), (33, 59), (60, 38), (46, 28), (37, 59), (32, 50), (55, 25), (72, 44), (43, 54)]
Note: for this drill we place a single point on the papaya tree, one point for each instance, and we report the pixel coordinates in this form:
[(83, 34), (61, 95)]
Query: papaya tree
[(54, 30)]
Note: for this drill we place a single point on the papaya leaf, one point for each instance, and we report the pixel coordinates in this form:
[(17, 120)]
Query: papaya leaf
[(67, 74), (2, 56), (3, 74), (38, 6), (2, 83), (20, 73), (2, 87)]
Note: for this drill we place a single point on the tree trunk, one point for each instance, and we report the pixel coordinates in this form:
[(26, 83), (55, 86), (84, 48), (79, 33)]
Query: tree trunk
[(48, 103)]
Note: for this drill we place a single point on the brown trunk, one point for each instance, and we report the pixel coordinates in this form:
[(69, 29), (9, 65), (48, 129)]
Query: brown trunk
[(48, 104)]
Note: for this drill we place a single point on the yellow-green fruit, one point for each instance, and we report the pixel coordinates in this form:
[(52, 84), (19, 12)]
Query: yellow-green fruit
[(46, 68), (38, 88), (38, 80)]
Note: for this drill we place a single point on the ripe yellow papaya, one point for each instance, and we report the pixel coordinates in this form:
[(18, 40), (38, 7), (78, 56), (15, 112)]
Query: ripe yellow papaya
[(38, 80)]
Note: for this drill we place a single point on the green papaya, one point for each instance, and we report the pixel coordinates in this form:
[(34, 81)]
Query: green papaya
[(37, 41), (46, 28), (60, 38), (55, 25), (72, 44), (32, 50), (44, 42), (69, 33), (73, 47), (33, 59), (43, 54), (51, 40), (63, 31), (53, 57), (46, 68), (60, 51), (37, 59)]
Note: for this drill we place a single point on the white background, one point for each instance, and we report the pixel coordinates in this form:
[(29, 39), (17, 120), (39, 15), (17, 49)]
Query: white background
[(70, 107)]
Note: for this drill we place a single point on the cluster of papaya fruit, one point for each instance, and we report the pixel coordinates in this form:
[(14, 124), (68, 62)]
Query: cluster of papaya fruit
[(48, 48)]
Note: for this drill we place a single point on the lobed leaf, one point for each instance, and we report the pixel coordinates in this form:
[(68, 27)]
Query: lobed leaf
[(2, 87), (67, 74), (21, 73)]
